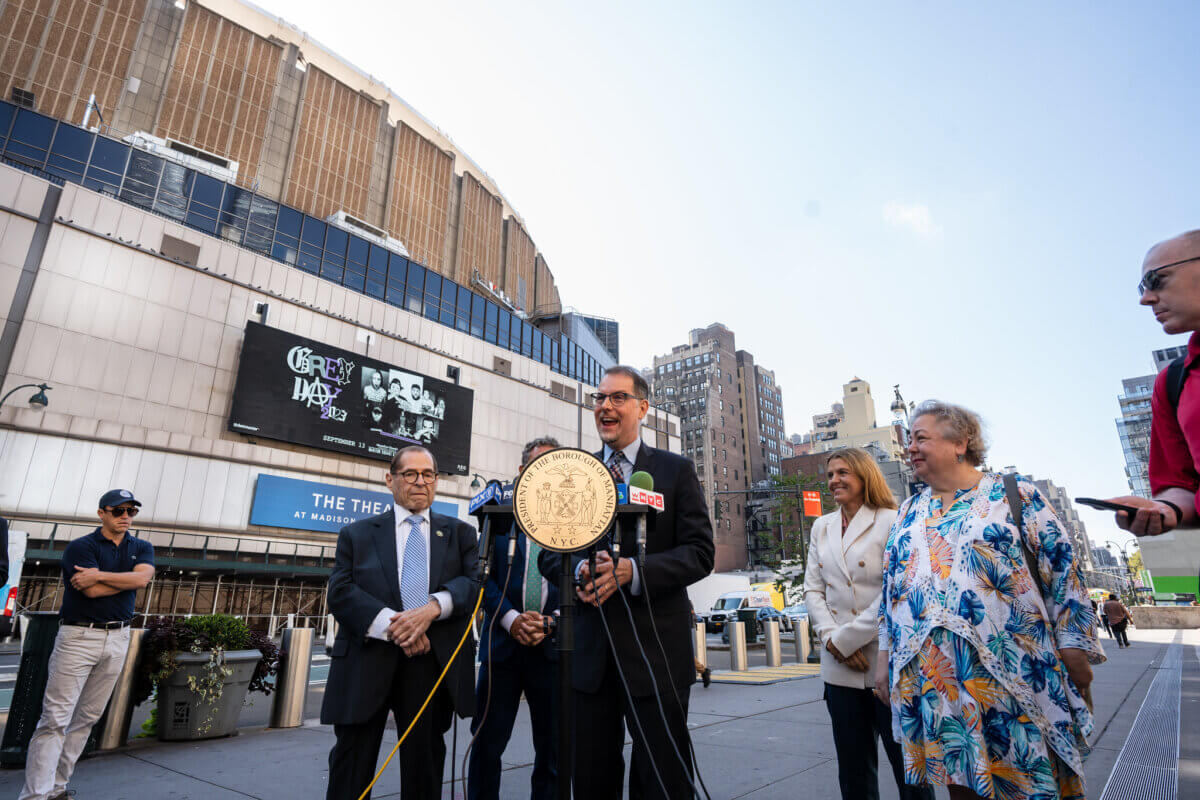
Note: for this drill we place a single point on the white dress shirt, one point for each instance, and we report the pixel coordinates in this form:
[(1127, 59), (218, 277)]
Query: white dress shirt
[(378, 628)]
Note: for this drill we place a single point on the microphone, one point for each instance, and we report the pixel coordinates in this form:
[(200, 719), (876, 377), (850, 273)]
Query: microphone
[(492, 495), (643, 482)]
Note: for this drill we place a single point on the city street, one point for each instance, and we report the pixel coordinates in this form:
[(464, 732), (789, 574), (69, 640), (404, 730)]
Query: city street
[(756, 742)]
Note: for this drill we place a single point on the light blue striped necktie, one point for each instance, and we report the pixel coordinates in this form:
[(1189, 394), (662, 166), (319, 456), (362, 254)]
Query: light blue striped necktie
[(414, 575)]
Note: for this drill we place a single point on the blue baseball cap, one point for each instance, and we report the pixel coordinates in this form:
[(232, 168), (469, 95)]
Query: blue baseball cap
[(115, 497)]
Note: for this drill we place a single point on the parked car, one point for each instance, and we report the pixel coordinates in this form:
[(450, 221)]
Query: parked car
[(764, 613), (727, 605), (797, 612)]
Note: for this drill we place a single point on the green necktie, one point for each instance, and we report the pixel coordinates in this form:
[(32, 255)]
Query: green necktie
[(533, 577)]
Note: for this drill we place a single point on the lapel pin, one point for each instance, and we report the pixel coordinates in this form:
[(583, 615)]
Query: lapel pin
[(439, 533)]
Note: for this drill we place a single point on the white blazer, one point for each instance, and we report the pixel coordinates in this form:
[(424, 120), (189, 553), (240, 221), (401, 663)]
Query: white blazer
[(842, 583)]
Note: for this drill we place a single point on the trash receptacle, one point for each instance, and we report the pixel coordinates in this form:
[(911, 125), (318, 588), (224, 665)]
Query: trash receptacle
[(750, 617), (41, 629)]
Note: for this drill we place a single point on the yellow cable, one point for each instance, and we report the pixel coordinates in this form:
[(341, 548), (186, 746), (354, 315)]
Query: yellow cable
[(454, 655)]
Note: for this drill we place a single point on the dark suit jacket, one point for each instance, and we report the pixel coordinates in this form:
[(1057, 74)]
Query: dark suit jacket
[(679, 552), (494, 642), (365, 579)]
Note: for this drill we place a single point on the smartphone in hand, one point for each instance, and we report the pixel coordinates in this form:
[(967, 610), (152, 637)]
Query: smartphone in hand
[(1105, 505)]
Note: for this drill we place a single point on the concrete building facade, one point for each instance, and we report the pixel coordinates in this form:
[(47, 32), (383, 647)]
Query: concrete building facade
[(731, 419), (852, 423), (141, 349), (294, 122)]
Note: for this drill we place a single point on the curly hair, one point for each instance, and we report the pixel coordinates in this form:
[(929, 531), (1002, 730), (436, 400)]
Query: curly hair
[(959, 424)]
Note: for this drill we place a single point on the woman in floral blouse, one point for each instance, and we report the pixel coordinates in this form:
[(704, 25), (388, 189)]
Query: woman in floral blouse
[(983, 672)]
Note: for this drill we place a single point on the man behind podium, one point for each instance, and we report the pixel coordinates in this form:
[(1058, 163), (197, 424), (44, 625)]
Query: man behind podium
[(515, 657), (402, 586), (679, 552)]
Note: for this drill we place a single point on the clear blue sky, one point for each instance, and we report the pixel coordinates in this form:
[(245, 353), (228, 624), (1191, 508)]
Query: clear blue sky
[(953, 197)]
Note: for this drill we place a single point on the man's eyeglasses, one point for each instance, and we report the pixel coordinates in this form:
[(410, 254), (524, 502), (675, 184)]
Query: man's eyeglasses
[(121, 511), (412, 475), (617, 399), (1151, 281)]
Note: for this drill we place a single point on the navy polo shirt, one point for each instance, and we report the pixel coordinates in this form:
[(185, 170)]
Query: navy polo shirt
[(95, 550)]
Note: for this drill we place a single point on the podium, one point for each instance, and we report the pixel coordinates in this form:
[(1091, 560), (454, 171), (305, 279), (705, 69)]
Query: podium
[(496, 517)]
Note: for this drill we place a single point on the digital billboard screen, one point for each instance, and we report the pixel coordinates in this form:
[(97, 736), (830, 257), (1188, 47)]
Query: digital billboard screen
[(302, 391)]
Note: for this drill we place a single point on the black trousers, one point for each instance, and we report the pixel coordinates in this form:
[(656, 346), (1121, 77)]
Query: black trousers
[(600, 721), (526, 671), (859, 719), (352, 761), (1119, 632)]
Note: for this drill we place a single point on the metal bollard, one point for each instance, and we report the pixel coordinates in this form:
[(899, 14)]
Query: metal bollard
[(115, 732), (291, 685), (771, 634), (802, 643), (737, 646), (700, 644)]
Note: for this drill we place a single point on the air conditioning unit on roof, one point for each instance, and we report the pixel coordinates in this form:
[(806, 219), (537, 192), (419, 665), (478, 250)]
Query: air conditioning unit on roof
[(351, 223), (186, 155)]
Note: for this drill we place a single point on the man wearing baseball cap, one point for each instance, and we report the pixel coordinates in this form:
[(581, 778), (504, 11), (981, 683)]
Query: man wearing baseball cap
[(101, 574)]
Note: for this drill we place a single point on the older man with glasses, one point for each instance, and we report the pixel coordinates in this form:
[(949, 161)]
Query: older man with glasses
[(1170, 286), (101, 575), (402, 588)]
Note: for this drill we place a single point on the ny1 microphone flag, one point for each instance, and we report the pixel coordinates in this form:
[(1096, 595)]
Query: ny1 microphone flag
[(812, 503)]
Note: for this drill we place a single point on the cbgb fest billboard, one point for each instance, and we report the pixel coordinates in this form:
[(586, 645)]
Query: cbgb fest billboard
[(298, 390)]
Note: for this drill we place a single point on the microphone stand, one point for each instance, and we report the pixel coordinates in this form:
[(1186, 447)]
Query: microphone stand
[(566, 696)]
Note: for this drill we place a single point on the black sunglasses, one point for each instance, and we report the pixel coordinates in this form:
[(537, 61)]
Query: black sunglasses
[(121, 511), (1152, 280)]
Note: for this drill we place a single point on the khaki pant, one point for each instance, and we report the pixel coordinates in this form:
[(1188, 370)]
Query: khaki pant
[(83, 670)]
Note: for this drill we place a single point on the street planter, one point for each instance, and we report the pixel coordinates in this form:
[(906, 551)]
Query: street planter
[(188, 709), (202, 669)]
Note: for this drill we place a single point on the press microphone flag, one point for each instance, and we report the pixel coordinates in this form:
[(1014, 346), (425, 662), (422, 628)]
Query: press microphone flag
[(641, 490)]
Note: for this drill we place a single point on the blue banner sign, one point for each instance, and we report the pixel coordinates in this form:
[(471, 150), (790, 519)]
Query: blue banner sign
[(311, 506)]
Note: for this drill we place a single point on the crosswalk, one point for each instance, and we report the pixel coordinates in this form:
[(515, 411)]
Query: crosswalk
[(761, 676)]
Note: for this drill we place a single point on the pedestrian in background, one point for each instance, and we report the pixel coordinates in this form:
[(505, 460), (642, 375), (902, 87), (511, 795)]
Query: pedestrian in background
[(101, 575), (1103, 618), (842, 580), (1170, 286), (1118, 619), (987, 673)]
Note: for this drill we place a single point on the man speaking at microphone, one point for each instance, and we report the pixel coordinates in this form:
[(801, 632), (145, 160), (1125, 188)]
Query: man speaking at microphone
[(679, 551)]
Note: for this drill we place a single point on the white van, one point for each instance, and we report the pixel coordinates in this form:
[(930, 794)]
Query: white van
[(728, 604)]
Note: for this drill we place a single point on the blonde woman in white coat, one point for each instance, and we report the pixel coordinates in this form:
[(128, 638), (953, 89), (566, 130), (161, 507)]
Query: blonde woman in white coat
[(842, 583)]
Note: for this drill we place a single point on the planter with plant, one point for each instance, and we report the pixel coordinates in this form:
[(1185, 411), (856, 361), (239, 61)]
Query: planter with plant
[(202, 668)]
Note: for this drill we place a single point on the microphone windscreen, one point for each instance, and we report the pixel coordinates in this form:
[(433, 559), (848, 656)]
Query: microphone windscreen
[(642, 480)]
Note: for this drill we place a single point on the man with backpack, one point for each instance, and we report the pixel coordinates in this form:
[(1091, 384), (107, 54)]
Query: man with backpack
[(1170, 286)]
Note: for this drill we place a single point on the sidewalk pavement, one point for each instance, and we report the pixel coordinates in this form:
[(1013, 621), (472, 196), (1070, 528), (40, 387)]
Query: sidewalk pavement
[(753, 742)]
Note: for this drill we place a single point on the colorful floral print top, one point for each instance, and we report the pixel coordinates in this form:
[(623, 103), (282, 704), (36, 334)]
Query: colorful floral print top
[(964, 570)]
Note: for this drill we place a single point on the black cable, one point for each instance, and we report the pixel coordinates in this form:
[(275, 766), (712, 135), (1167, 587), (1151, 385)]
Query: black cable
[(650, 671), (628, 694), (662, 649), (488, 704)]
